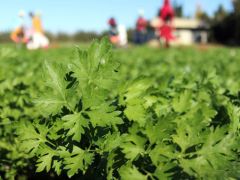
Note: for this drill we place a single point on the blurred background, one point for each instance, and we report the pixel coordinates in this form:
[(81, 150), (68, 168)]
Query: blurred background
[(196, 21), (181, 104)]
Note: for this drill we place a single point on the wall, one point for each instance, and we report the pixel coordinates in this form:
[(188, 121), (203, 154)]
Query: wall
[(184, 37)]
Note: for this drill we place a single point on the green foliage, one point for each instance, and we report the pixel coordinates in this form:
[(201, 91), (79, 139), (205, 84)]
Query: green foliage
[(225, 26), (104, 115)]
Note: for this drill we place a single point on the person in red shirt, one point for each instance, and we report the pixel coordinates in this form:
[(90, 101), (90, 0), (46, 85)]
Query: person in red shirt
[(113, 32), (112, 22), (166, 15), (141, 29)]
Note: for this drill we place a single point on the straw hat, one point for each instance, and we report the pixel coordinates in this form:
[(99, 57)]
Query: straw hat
[(141, 12), (38, 13), (21, 13)]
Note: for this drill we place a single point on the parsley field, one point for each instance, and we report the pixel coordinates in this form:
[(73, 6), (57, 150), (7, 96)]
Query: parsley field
[(131, 114)]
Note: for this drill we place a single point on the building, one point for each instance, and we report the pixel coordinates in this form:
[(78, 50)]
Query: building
[(190, 31)]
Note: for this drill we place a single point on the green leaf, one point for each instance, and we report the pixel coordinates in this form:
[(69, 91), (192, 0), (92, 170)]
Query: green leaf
[(149, 101), (162, 154), (77, 160), (57, 166), (165, 128), (182, 102), (131, 172), (95, 67), (190, 126), (132, 146), (214, 159), (110, 164), (104, 115), (56, 79), (163, 170), (50, 104), (75, 124), (110, 142), (234, 113), (32, 136), (137, 88), (136, 112), (44, 162), (53, 101)]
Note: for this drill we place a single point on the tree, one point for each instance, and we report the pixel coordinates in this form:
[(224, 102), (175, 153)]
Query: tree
[(178, 9), (220, 14), (228, 29), (236, 6), (201, 15)]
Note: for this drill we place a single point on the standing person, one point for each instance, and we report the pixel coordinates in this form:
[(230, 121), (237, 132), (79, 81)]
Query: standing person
[(113, 32), (141, 29), (18, 34), (166, 15), (38, 39), (123, 37)]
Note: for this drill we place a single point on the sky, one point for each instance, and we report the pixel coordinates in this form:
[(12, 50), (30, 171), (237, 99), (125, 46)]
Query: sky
[(91, 15)]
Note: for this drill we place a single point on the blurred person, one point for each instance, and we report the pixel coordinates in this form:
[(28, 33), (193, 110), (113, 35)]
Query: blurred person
[(36, 33), (122, 37), (113, 32), (153, 32), (156, 24), (18, 34), (141, 29), (151, 35), (166, 15)]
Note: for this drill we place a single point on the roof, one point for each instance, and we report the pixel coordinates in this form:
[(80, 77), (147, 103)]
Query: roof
[(184, 23)]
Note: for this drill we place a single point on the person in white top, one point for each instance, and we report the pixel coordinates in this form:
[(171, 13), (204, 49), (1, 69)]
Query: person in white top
[(38, 38), (18, 34), (123, 37)]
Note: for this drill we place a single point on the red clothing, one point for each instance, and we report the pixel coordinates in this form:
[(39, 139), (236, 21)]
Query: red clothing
[(112, 22), (166, 15), (166, 12), (141, 24), (166, 32)]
